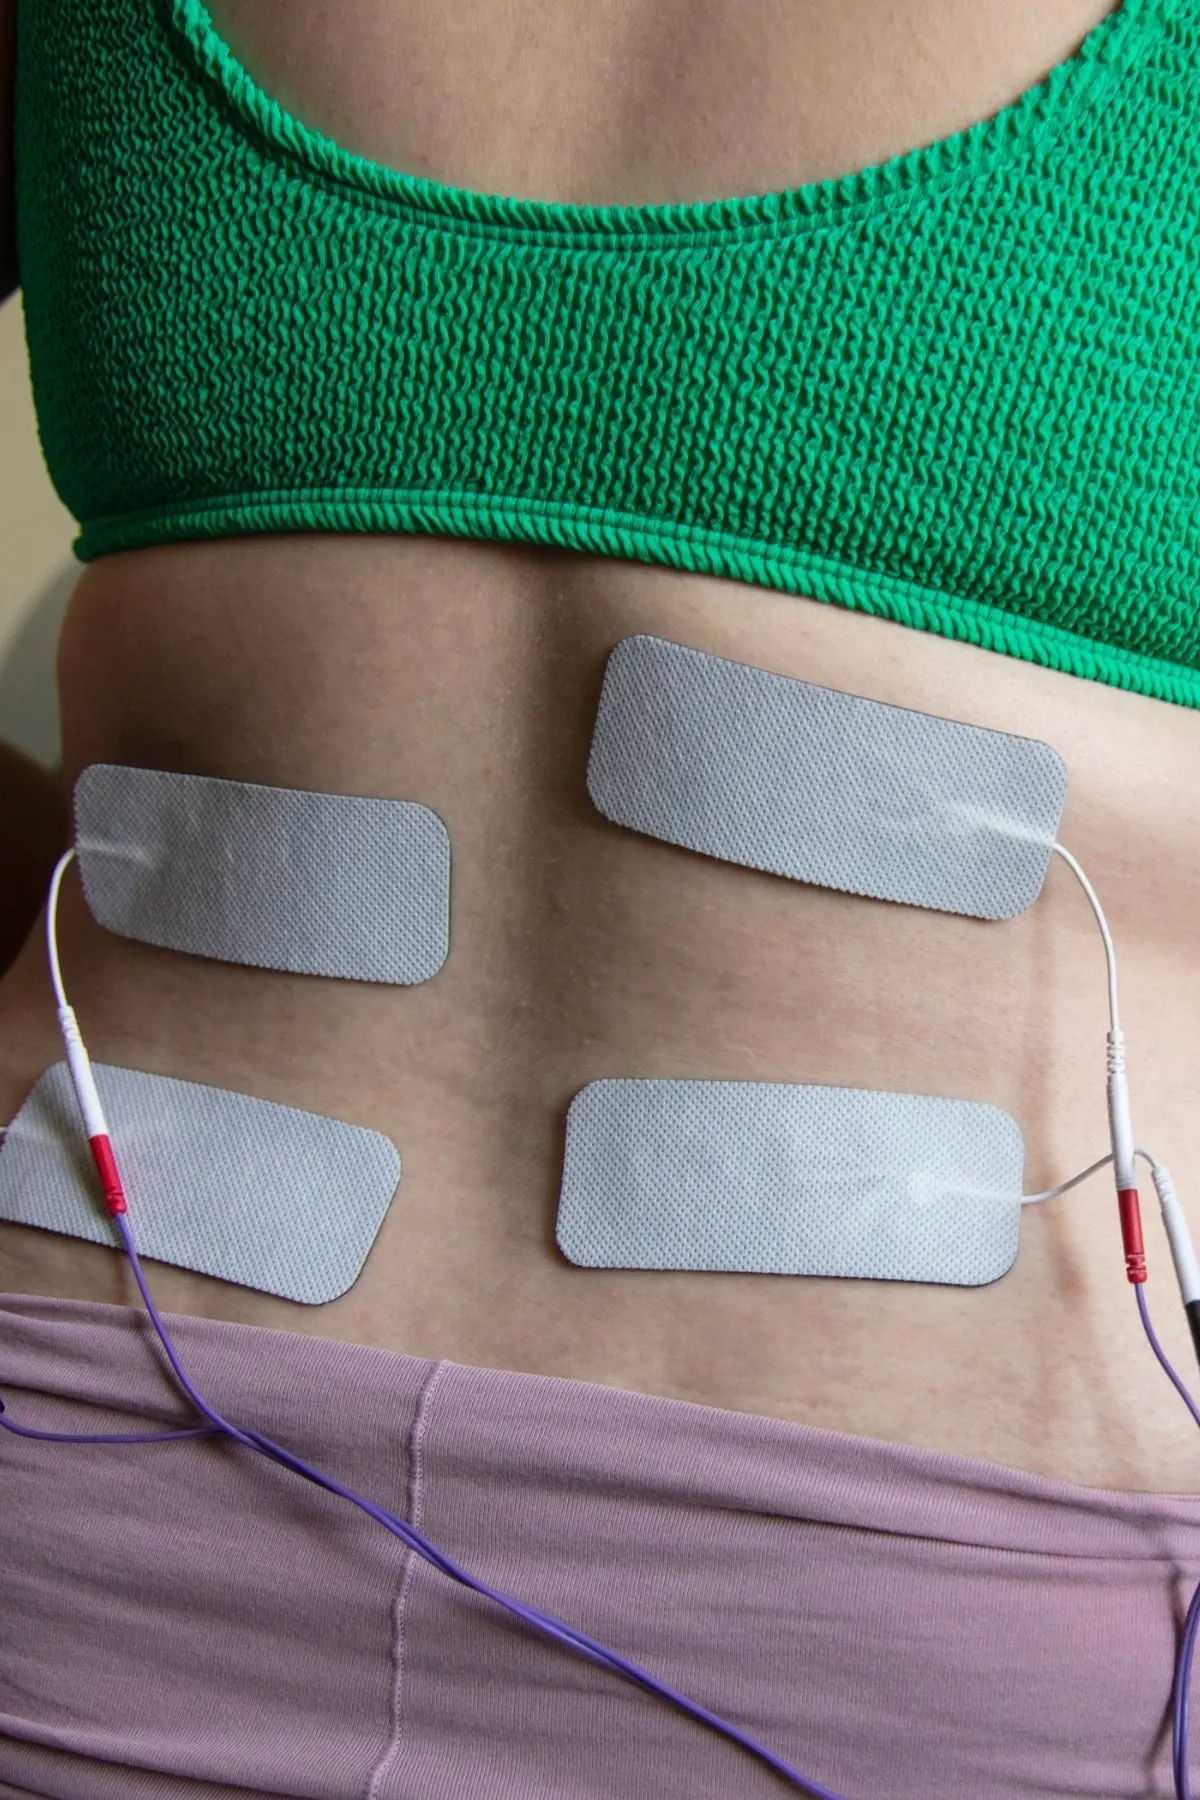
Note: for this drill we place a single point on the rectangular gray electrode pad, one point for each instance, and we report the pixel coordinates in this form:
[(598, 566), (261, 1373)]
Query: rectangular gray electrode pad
[(822, 786), (280, 878), (264, 1195), (771, 1179)]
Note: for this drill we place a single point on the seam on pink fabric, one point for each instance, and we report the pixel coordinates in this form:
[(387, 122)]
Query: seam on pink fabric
[(416, 1441)]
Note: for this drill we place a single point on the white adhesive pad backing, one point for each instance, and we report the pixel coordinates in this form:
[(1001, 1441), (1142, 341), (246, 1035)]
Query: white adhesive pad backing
[(773, 1179), (823, 786), (280, 878), (268, 1196)]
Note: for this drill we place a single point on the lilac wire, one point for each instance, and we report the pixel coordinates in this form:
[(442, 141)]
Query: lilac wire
[(1161, 1353), (81, 1437), (1179, 1722), (546, 1623), (1187, 1646)]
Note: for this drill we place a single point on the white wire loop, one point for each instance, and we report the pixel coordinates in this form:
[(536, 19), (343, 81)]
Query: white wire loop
[(60, 869)]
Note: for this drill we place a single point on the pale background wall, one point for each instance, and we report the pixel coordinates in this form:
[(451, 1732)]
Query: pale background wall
[(37, 570)]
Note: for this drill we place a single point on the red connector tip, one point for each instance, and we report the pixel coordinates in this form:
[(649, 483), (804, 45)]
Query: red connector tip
[(1131, 1234), (110, 1180)]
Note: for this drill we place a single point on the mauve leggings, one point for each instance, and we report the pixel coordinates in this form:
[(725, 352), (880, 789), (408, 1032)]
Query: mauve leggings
[(183, 1621)]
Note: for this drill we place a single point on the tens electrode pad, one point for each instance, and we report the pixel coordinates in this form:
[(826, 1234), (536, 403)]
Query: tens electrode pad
[(824, 787), (280, 878), (821, 786), (771, 1179), (265, 1195)]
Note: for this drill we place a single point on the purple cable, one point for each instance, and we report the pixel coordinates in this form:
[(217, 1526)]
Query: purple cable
[(77, 1437), (1187, 1646), (545, 1623)]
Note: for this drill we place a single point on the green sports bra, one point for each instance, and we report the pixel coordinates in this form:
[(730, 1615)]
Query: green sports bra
[(959, 389)]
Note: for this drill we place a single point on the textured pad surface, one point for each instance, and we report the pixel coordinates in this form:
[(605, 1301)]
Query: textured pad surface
[(320, 884), (264, 1195), (822, 786), (773, 1179)]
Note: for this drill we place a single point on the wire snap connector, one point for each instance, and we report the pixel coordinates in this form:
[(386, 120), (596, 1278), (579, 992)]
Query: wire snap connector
[(1129, 1206), (1121, 1129)]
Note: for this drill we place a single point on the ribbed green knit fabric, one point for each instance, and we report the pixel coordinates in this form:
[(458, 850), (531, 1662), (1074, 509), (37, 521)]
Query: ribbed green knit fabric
[(958, 389)]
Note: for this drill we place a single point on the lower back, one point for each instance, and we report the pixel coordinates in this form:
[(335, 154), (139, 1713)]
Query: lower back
[(466, 677)]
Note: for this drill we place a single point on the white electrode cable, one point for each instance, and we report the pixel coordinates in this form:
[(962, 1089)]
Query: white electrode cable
[(77, 1056), (1120, 1121), (1064, 1187), (1110, 954), (78, 1061), (56, 981)]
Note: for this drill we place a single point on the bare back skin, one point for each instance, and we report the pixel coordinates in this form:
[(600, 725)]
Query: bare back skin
[(466, 675)]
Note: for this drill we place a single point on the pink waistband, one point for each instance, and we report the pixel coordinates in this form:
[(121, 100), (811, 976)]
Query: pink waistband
[(894, 1621), (333, 1394)]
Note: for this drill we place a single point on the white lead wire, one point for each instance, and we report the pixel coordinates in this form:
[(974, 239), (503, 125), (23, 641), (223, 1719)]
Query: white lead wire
[(78, 1061), (56, 980), (1064, 1187), (1110, 954), (1120, 1121)]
